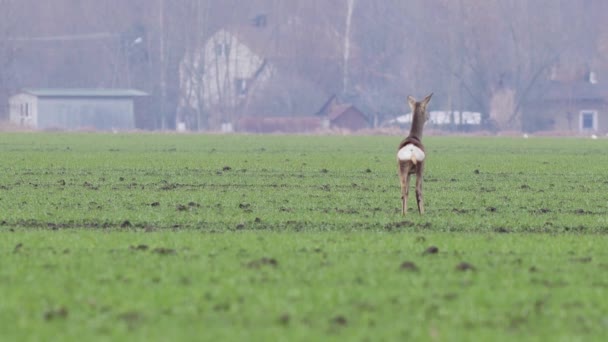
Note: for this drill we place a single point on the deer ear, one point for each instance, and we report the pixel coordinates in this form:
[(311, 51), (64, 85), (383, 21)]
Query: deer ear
[(427, 99), (412, 102)]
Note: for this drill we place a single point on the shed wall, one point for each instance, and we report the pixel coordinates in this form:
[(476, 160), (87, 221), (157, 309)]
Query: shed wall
[(23, 110), (352, 120), (79, 113), (564, 115)]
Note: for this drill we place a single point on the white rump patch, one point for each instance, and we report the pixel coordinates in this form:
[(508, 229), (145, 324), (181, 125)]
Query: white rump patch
[(406, 152)]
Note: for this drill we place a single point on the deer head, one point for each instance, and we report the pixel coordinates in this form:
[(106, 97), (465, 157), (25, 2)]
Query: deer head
[(419, 108)]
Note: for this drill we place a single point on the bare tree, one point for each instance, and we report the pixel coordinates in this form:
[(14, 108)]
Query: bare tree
[(373, 53), (6, 54), (350, 5)]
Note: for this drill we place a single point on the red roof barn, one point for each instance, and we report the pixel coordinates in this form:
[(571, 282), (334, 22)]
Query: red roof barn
[(347, 116)]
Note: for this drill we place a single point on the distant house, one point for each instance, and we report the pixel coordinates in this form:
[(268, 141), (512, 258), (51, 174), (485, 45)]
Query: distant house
[(577, 105), (241, 72), (342, 115), (55, 108), (220, 77), (347, 116)]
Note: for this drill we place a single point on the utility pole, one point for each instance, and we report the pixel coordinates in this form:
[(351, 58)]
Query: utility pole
[(163, 85)]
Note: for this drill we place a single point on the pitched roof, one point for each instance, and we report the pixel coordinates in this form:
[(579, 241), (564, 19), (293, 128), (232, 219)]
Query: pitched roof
[(327, 105), (340, 109), (579, 90), (83, 92)]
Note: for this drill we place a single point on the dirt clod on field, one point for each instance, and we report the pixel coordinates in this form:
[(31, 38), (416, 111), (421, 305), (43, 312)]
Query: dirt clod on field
[(263, 262), (131, 318), (139, 248), (397, 225), (583, 260), (57, 313), (465, 266), (164, 251), (582, 212), (408, 266), (339, 320), (431, 250), (459, 211)]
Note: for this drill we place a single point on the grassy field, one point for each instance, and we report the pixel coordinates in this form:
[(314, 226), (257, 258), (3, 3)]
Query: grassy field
[(300, 238)]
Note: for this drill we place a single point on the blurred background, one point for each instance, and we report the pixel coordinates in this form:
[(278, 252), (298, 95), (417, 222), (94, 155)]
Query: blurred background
[(304, 65)]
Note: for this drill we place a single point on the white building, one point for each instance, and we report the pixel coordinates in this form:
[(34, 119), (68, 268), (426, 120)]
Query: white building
[(441, 118), (99, 109), (222, 76)]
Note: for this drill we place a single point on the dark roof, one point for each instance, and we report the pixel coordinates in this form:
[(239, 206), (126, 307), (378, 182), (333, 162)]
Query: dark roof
[(338, 110), (571, 91), (326, 107), (262, 41), (83, 92)]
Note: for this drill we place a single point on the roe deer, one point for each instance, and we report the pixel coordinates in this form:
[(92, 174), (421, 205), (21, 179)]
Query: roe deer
[(411, 155)]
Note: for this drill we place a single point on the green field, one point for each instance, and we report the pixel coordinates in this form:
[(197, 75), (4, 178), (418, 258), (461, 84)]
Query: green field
[(229, 237)]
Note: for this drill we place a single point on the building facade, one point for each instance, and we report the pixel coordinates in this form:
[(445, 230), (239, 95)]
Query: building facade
[(74, 109)]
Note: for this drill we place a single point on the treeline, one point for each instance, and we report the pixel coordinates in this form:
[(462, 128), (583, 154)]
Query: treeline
[(373, 53)]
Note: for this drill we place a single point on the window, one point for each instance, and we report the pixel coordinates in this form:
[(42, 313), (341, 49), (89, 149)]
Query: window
[(222, 49), (588, 120), (25, 113), (259, 20)]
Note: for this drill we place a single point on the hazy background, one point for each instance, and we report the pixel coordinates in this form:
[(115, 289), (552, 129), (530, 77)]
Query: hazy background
[(463, 50)]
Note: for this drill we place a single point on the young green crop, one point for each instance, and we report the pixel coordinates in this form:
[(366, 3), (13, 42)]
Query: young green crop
[(299, 183), (86, 284), (195, 237)]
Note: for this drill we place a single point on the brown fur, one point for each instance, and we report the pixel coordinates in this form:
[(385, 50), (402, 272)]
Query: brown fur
[(409, 167)]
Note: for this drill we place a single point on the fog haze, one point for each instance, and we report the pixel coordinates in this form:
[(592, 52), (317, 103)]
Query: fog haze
[(494, 57)]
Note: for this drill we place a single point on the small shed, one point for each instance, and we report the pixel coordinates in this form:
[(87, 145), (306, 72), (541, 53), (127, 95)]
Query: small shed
[(81, 108), (347, 116)]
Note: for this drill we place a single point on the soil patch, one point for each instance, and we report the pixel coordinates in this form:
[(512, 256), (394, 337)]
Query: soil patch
[(431, 250), (408, 266), (256, 264), (465, 266)]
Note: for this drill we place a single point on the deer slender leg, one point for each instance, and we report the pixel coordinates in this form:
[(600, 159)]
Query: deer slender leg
[(419, 198), (404, 175)]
